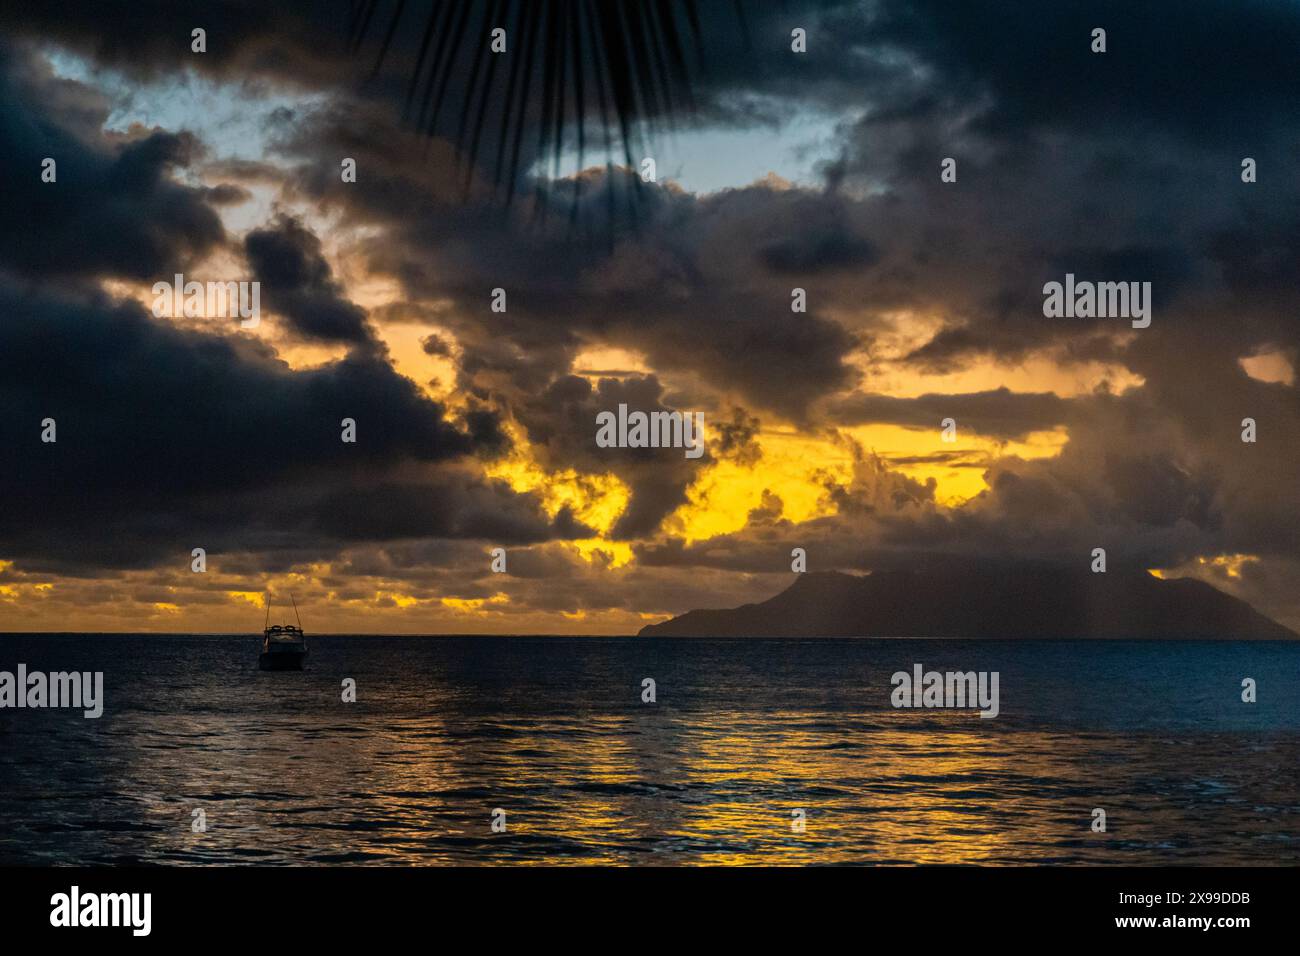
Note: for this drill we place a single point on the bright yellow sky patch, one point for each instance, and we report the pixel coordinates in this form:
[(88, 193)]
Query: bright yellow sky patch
[(595, 500), (792, 467), (960, 479), (406, 348)]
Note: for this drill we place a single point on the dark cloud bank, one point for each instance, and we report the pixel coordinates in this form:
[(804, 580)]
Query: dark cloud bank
[(1117, 166)]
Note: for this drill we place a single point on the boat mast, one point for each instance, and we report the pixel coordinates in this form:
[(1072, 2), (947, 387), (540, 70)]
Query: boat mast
[(267, 622), (295, 611)]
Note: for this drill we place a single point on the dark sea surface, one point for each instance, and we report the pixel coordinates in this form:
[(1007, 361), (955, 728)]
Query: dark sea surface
[(554, 732)]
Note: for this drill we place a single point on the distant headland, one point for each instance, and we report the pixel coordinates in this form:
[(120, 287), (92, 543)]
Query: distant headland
[(1023, 602)]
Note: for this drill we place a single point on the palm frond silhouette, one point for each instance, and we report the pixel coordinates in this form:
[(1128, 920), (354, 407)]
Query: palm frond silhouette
[(628, 63)]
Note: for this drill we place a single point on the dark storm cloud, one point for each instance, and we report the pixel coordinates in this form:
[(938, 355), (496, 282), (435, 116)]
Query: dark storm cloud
[(561, 428), (394, 510), (745, 333), (727, 53), (1000, 413), (298, 283), (435, 345), (1152, 488), (737, 439), (152, 38), (1130, 193), (227, 194), (679, 285), (1121, 166), (171, 439), (113, 209), (832, 249), (1210, 70), (905, 59)]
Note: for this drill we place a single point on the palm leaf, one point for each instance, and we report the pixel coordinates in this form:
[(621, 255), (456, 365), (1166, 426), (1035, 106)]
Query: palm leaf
[(634, 54)]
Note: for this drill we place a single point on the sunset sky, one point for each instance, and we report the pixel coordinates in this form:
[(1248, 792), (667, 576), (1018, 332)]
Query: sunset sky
[(476, 429)]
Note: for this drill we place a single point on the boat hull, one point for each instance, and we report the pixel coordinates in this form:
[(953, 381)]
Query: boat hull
[(281, 660)]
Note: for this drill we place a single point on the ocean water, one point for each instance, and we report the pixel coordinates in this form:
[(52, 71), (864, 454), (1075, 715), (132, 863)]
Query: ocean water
[(554, 732)]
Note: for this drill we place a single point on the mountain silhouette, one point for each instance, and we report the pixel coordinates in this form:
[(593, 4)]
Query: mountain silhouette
[(997, 602)]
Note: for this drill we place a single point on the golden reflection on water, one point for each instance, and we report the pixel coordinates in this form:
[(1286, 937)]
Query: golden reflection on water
[(658, 786), (876, 795), (717, 789), (556, 736)]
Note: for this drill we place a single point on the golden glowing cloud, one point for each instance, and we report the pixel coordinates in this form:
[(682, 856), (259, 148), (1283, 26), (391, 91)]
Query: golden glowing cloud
[(475, 605), (904, 332), (792, 466), (255, 598), (595, 500), (957, 467), (1269, 367)]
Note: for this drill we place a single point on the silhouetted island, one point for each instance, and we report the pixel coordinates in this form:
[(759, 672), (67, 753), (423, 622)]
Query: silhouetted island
[(1020, 602)]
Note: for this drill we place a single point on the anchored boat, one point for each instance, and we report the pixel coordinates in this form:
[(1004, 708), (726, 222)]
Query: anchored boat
[(284, 647)]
